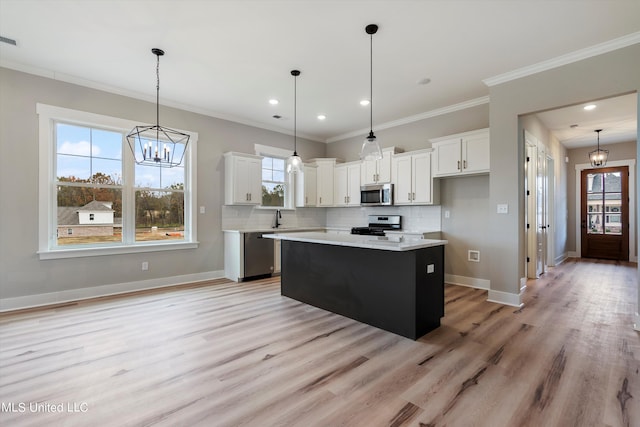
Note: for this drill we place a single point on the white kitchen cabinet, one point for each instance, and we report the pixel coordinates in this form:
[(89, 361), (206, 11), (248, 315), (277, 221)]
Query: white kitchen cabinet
[(325, 181), (461, 154), (307, 186), (347, 184), (378, 171), (413, 183), (242, 179)]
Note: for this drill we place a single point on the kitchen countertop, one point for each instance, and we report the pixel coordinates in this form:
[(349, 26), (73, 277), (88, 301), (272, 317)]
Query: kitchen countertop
[(358, 241), (274, 230)]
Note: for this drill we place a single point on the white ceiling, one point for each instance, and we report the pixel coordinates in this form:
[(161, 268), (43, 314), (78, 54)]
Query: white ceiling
[(617, 117), (228, 58)]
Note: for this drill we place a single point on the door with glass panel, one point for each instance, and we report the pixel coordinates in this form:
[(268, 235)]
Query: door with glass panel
[(605, 213)]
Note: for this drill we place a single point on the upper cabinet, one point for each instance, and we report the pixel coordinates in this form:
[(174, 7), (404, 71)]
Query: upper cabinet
[(325, 181), (307, 186), (377, 171), (347, 184), (461, 154), (242, 179), (412, 179)]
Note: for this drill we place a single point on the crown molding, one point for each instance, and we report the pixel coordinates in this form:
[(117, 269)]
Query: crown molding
[(144, 97), (578, 55), (415, 118)]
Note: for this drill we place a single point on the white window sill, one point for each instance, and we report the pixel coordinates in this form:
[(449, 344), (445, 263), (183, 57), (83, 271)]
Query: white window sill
[(114, 250)]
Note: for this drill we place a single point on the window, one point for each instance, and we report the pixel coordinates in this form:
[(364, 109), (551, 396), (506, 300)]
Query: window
[(277, 184), (91, 188), (273, 181)]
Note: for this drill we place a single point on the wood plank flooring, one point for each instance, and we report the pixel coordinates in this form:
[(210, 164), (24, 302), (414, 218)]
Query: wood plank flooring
[(227, 354)]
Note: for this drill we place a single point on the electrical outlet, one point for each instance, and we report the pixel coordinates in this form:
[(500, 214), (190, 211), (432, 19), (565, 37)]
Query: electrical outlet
[(431, 268), (503, 209), (145, 265), (202, 209), (473, 256), (447, 214)]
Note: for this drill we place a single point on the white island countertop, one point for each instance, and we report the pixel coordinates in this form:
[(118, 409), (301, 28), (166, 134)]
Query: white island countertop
[(358, 241)]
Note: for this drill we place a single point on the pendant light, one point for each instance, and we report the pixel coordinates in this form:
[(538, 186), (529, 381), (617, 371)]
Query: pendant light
[(294, 162), (598, 157), (370, 147), (156, 145)]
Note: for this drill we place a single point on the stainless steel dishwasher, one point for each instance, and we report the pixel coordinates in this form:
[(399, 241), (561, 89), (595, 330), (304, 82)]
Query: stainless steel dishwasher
[(258, 255)]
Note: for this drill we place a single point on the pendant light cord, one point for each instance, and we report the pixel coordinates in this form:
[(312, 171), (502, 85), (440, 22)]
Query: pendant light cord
[(295, 112), (158, 91), (371, 83)]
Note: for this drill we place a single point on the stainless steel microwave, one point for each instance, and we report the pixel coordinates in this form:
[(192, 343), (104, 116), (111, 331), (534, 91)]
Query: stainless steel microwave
[(376, 195)]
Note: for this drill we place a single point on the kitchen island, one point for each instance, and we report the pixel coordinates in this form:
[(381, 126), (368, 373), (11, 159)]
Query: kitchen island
[(397, 286)]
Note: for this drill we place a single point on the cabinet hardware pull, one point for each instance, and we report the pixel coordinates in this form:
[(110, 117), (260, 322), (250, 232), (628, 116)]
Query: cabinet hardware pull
[(414, 196), (458, 164), (409, 196), (464, 164)]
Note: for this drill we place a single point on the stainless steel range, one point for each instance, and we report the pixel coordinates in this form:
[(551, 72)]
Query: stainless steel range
[(378, 224)]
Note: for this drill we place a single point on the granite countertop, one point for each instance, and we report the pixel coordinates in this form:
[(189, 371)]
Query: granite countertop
[(359, 241)]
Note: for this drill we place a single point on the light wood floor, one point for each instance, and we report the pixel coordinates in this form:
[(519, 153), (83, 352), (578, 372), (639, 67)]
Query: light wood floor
[(231, 354)]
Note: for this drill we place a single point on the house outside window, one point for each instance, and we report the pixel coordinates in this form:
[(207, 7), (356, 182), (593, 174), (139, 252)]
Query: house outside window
[(97, 193)]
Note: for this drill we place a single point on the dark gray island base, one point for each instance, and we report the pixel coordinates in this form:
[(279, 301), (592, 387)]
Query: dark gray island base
[(398, 291)]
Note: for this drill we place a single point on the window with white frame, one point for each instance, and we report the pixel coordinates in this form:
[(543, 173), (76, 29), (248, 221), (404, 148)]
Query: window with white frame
[(96, 200), (273, 181), (277, 185)]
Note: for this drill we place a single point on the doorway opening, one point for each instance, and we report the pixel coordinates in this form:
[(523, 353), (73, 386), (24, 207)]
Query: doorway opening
[(605, 213)]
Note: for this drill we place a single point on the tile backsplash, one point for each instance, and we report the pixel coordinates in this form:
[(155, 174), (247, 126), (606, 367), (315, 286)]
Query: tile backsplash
[(245, 217), (414, 218)]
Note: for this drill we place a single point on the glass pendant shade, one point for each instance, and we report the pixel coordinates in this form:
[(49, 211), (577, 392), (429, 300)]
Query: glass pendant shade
[(294, 163), (598, 157), (370, 148)]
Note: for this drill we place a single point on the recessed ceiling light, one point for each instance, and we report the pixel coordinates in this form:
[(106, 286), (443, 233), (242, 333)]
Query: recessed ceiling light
[(277, 116), (573, 126), (321, 117), (590, 107), (274, 101), (424, 81), (364, 102)]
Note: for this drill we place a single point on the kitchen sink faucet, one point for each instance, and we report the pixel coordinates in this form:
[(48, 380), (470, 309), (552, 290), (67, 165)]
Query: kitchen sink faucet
[(278, 216)]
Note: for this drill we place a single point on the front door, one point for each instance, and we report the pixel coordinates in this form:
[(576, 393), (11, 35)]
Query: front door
[(605, 213)]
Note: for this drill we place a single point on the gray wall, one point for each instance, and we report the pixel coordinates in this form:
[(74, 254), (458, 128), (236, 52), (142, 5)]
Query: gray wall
[(21, 272), (602, 76), (621, 151), (467, 201)]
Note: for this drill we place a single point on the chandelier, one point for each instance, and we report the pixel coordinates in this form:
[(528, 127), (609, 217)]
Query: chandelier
[(156, 145)]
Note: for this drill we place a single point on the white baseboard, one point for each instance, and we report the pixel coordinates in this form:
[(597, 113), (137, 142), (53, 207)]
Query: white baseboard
[(636, 323), (506, 298), (572, 254), (471, 282), (562, 258), (29, 301)]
